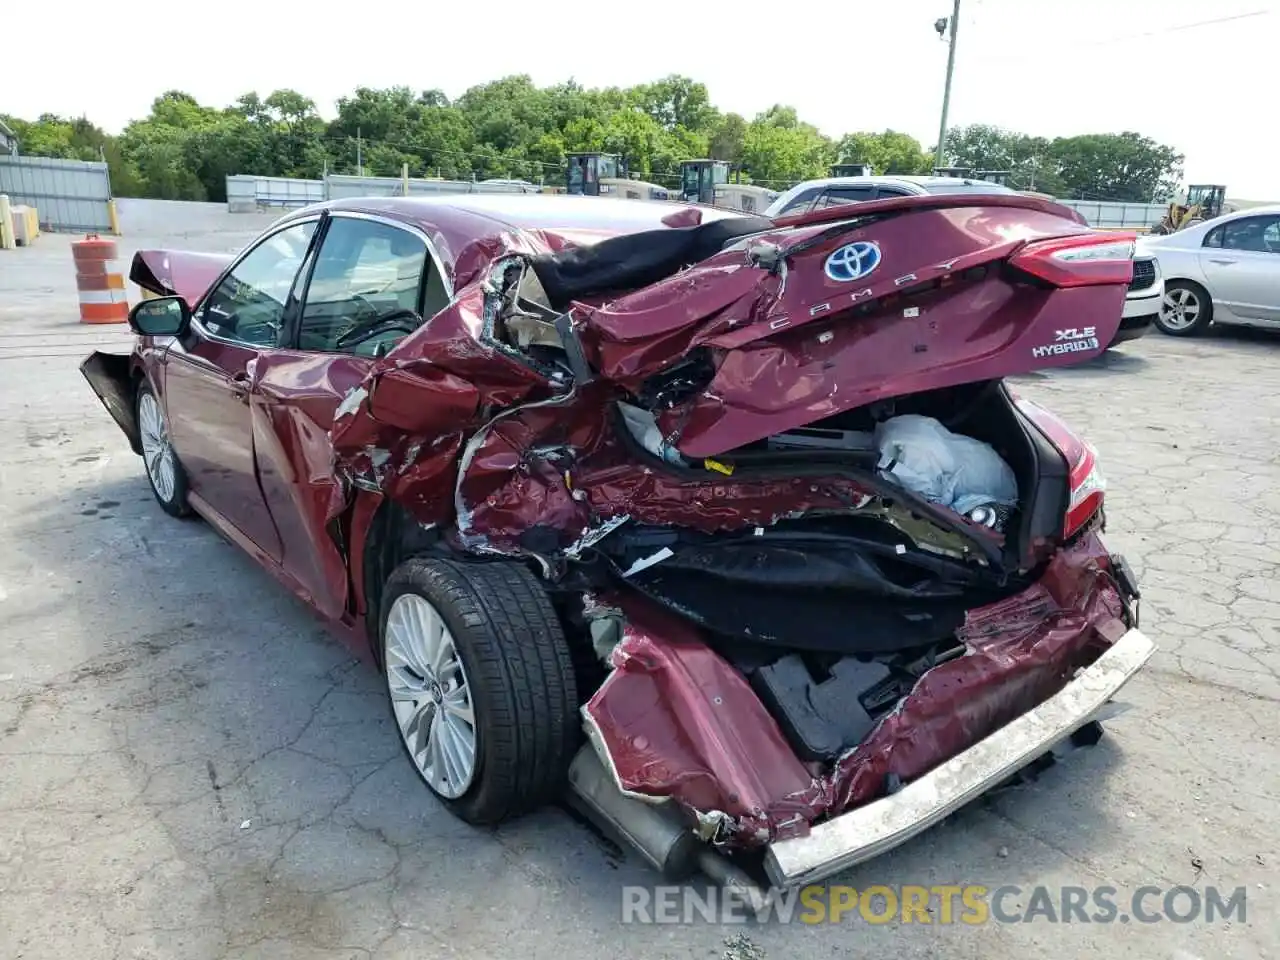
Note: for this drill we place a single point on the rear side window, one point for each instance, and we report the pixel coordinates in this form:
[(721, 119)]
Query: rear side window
[(801, 203), (837, 196)]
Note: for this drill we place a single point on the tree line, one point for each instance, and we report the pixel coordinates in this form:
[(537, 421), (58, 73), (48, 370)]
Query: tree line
[(184, 150)]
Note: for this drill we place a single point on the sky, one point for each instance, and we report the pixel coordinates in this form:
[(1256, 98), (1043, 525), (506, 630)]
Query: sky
[(1045, 67)]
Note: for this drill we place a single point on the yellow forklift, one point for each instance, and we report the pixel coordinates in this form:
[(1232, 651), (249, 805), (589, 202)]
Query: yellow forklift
[(1204, 202), (699, 179), (585, 171)]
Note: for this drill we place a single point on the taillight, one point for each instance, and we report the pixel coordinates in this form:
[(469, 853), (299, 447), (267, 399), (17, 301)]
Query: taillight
[(1088, 485), (1085, 260)]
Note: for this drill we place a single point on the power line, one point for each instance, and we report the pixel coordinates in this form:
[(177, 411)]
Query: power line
[(1177, 27), (1108, 41)]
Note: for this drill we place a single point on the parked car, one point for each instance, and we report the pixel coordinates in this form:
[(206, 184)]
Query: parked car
[(679, 505), (1222, 271), (833, 191), (1146, 290), (1143, 301)]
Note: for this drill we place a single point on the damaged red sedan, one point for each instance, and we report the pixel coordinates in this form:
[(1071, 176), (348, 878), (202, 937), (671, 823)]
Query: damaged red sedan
[(730, 525)]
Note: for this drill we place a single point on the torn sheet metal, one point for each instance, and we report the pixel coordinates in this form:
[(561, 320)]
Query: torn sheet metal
[(675, 717), (775, 360), (788, 355)]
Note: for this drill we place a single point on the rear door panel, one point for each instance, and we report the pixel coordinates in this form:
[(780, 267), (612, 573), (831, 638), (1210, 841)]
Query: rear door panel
[(295, 397)]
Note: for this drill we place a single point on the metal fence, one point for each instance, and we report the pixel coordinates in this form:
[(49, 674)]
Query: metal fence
[(1115, 214), (69, 195), (248, 193), (340, 186)]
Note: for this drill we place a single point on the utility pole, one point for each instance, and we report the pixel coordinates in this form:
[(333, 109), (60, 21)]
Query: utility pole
[(941, 25), (360, 154)]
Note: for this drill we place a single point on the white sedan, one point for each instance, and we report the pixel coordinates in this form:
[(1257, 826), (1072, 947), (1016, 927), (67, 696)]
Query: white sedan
[(1225, 270)]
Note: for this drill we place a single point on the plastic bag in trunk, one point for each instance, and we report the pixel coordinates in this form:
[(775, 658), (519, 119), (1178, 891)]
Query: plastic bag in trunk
[(947, 468)]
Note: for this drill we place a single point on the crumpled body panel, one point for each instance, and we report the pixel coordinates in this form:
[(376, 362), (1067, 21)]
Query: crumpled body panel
[(793, 346), (787, 351), (184, 273), (679, 721), (564, 468), (676, 720)]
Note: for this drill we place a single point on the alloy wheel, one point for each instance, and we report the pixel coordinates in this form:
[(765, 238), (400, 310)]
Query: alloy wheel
[(157, 452), (430, 695), (1180, 309)]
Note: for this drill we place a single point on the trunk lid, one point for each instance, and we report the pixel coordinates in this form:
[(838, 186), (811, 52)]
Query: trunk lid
[(800, 324)]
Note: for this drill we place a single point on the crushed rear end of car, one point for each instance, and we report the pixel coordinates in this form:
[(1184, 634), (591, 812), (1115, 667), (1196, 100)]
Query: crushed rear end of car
[(828, 576)]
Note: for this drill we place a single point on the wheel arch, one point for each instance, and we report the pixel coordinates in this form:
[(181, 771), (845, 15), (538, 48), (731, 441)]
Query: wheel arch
[(389, 536), (1190, 282)]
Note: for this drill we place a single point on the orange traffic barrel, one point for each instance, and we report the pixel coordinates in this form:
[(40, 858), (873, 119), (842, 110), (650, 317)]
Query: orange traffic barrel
[(99, 281)]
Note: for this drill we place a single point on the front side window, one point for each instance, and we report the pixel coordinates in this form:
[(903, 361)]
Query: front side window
[(364, 291), (1252, 234), (248, 305)]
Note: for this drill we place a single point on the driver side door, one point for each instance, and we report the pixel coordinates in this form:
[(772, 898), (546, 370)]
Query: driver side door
[(208, 378)]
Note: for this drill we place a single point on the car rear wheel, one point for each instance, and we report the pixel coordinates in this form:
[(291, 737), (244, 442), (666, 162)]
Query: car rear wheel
[(481, 684), (1186, 309), (164, 472)]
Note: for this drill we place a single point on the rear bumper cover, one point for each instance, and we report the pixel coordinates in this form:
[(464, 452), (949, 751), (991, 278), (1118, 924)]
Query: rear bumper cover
[(879, 826)]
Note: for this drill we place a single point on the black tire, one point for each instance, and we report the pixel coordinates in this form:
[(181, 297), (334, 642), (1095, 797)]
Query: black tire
[(1187, 291), (520, 673), (176, 504)]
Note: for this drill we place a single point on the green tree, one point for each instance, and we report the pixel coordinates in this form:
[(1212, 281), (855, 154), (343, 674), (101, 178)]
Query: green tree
[(984, 147), (782, 155), (1116, 166), (677, 101), (887, 152), (510, 127), (727, 138)]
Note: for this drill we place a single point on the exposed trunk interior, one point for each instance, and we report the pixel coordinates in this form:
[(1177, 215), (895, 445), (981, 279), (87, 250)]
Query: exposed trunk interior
[(832, 617)]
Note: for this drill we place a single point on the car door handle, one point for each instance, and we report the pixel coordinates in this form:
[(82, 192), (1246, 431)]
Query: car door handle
[(1221, 262), (240, 386)]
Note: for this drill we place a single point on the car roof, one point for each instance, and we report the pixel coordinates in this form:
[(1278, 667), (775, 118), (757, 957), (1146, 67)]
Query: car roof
[(1269, 210), (921, 183), (470, 229)]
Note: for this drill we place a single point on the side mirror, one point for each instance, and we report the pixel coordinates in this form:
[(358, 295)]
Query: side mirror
[(160, 317)]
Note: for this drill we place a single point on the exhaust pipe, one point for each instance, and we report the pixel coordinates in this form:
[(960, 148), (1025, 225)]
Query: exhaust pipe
[(658, 831)]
